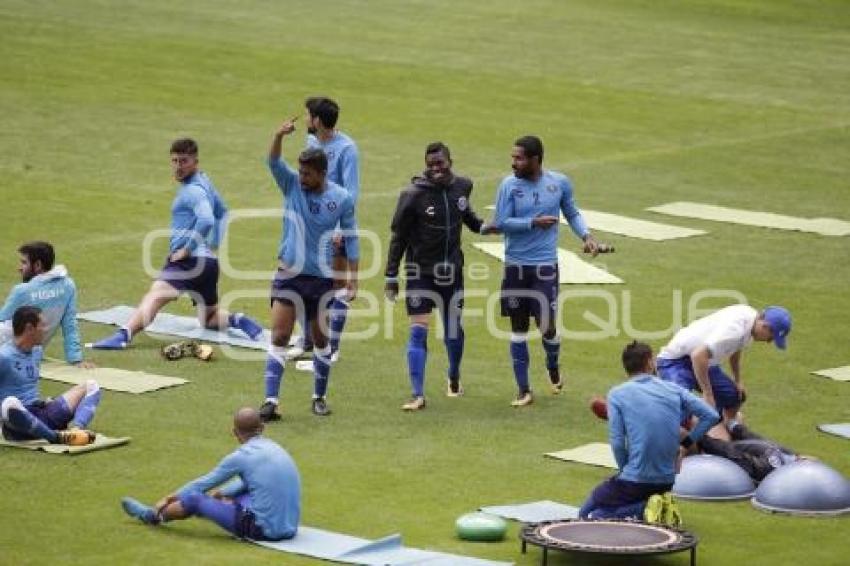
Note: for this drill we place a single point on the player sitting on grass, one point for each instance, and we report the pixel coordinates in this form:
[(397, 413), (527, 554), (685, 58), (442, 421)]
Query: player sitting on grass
[(260, 501), (24, 415), (644, 415), (51, 289), (198, 222)]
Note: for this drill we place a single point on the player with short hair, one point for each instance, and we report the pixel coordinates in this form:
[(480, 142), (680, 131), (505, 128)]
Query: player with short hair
[(198, 223), (644, 417), (344, 170), (254, 492), (528, 208), (426, 229), (693, 356), (52, 290), (304, 280), (23, 413)]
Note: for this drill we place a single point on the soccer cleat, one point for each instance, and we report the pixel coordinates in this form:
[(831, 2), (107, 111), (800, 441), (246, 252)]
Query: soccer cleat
[(75, 437), (523, 399), (117, 341), (654, 510), (672, 516), (320, 407), (177, 350), (556, 381), (139, 510), (455, 389), (268, 412), (334, 356), (415, 404)]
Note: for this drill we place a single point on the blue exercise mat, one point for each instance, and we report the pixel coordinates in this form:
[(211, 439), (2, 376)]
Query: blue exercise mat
[(842, 429), (534, 512), (387, 551), (182, 326)]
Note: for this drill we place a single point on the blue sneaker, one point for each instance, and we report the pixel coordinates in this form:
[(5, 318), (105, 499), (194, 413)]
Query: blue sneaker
[(247, 325), (139, 510), (118, 341)]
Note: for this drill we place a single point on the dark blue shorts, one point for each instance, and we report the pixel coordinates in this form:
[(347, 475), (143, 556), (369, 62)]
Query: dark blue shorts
[(530, 290), (54, 413), (615, 493), (423, 294), (681, 372), (308, 290), (197, 276)]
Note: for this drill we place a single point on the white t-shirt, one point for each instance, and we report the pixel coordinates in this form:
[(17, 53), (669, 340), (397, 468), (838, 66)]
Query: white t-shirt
[(724, 332)]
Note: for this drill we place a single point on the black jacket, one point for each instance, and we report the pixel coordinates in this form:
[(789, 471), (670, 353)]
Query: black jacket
[(426, 227)]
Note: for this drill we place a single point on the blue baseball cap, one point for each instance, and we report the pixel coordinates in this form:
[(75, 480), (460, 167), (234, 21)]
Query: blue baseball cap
[(779, 320)]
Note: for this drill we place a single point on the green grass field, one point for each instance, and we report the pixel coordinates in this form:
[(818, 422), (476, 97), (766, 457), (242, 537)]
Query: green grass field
[(731, 102)]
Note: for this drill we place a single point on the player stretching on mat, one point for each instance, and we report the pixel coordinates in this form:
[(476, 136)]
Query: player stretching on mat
[(313, 208), (426, 229), (692, 358), (528, 208), (23, 414), (344, 170), (644, 415), (53, 291), (262, 502), (198, 222)]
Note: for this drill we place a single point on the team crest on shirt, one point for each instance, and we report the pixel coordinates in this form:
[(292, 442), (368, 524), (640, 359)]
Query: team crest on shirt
[(462, 204), (332, 205), (552, 188), (314, 207)]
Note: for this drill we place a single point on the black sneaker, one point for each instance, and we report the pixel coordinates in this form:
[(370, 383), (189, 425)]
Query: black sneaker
[(454, 389), (555, 380), (320, 407), (268, 412)]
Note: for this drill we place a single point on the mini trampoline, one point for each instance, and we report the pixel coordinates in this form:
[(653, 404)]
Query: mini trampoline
[(618, 538)]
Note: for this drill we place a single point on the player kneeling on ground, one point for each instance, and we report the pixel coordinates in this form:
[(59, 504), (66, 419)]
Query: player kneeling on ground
[(644, 415)]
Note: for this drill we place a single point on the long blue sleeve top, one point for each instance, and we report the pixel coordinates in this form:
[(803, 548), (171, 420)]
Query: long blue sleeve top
[(309, 220), (519, 201), (343, 161), (19, 373), (55, 293), (264, 470), (644, 417), (198, 216)]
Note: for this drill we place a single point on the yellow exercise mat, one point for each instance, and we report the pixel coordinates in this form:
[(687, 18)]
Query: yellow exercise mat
[(571, 268), (838, 374), (823, 226), (595, 454), (100, 442), (109, 378)]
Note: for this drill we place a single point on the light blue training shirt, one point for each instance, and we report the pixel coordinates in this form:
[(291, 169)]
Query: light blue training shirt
[(19, 373), (343, 161), (644, 417), (55, 293), (264, 470), (309, 219), (198, 216), (519, 201)]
